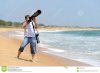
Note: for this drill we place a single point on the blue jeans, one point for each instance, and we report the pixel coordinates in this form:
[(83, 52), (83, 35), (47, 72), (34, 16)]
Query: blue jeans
[(26, 41)]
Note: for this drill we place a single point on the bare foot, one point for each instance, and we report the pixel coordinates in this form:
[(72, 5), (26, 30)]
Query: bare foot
[(34, 61), (17, 57)]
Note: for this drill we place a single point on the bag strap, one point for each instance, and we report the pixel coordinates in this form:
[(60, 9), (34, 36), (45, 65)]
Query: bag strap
[(33, 25), (34, 28)]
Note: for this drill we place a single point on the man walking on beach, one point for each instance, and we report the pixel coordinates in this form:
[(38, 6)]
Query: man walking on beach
[(30, 37)]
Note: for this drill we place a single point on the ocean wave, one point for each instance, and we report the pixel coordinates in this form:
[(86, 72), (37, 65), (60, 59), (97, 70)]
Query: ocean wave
[(68, 45)]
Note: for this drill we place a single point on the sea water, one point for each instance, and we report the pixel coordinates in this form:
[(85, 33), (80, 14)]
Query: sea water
[(81, 45)]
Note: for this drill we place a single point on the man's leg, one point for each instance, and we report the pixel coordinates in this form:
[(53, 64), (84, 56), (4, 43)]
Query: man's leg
[(33, 47), (33, 56), (18, 54), (24, 43)]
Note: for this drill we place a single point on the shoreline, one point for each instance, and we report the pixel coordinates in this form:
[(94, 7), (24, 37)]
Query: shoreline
[(67, 28), (44, 59), (54, 28)]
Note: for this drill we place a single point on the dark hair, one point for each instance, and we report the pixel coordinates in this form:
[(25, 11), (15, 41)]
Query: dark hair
[(27, 16)]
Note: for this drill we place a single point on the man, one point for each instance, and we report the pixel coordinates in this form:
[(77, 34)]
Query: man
[(30, 37)]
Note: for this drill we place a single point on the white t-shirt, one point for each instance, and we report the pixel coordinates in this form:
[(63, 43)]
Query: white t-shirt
[(29, 31)]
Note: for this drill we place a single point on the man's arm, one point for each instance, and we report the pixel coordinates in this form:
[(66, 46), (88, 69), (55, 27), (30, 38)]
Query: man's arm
[(24, 24), (35, 22)]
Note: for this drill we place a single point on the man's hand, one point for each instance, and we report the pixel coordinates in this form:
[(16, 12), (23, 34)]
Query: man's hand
[(24, 24)]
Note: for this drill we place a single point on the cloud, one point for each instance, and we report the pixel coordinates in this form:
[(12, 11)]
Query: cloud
[(80, 13)]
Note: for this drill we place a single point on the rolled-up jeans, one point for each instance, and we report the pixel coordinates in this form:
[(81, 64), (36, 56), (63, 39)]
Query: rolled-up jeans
[(26, 41)]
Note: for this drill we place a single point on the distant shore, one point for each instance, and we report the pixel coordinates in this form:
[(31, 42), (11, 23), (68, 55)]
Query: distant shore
[(68, 28)]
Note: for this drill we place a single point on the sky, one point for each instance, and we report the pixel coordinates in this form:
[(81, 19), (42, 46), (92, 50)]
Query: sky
[(84, 13)]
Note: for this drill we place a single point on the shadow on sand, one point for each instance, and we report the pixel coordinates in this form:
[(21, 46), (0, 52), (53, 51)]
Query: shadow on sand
[(24, 59)]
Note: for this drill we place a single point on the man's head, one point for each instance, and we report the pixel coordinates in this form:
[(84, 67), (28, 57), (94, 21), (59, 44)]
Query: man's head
[(27, 17)]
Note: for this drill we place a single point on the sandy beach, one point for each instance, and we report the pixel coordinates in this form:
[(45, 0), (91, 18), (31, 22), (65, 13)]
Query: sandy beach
[(9, 48), (62, 28)]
